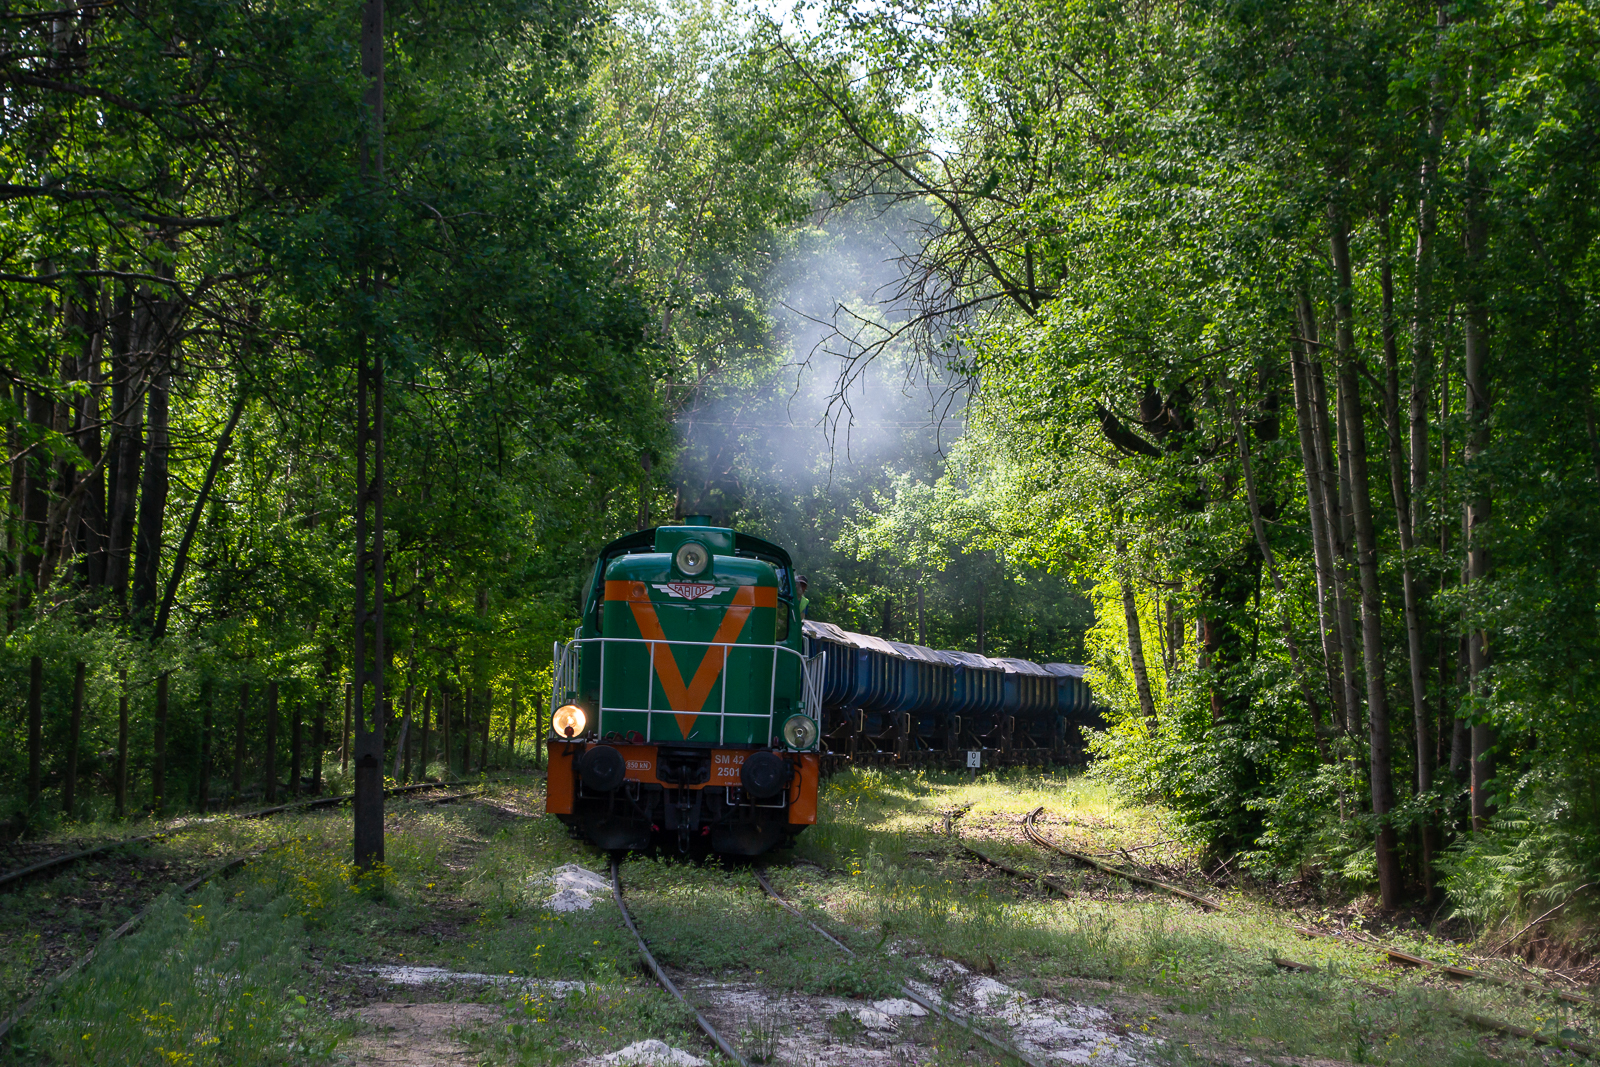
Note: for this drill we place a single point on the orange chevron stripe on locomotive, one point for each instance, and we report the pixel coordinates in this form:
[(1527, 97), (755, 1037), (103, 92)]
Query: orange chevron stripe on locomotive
[(687, 701)]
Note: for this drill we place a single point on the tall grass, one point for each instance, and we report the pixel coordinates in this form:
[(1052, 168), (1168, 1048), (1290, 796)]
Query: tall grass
[(205, 982)]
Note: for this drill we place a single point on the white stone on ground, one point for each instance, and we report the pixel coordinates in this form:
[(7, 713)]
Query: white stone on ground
[(421, 976), (987, 992), (873, 1019), (651, 1053), (1067, 1033), (896, 1006), (577, 888)]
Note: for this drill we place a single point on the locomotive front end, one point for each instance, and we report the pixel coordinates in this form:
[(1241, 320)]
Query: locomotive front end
[(680, 711)]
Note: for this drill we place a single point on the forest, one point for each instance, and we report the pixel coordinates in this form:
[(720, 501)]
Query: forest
[(1241, 351)]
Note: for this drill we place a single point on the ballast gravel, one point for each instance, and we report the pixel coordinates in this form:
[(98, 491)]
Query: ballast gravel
[(1050, 1031)]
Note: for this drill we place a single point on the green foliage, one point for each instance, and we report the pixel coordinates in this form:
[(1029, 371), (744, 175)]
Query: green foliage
[(1135, 216)]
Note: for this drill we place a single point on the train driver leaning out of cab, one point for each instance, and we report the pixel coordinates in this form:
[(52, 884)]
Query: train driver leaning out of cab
[(800, 580)]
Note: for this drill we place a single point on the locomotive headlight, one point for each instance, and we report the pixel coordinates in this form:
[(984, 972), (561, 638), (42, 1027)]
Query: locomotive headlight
[(568, 721), (800, 732), (692, 558)]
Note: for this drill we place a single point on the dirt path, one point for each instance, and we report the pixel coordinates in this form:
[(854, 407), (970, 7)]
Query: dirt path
[(419, 1034)]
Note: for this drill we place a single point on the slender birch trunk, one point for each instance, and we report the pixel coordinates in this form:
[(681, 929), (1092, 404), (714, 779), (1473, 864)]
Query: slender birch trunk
[(1334, 518), (69, 787), (1354, 445), (1321, 550), (1422, 715)]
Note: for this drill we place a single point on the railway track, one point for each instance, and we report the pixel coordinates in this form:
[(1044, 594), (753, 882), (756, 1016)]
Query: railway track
[(926, 1003), (221, 869), (667, 983), (1031, 831), (911, 994), (67, 859), (43, 994)]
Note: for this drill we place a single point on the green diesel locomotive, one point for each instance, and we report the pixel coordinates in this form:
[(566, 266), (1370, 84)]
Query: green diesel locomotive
[(684, 711)]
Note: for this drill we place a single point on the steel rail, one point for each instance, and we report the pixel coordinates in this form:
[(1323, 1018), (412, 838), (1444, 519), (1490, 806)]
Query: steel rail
[(911, 994), (661, 975)]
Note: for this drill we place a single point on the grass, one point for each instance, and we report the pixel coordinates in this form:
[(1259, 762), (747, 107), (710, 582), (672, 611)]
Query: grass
[(1201, 980), (275, 951)]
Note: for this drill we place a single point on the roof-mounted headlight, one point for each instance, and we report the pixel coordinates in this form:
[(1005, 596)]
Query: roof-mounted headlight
[(692, 558)]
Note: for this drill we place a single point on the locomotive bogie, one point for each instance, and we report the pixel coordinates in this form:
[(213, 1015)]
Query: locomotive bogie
[(736, 801)]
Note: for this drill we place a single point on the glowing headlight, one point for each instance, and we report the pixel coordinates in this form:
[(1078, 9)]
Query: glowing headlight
[(568, 721), (800, 732), (692, 558)]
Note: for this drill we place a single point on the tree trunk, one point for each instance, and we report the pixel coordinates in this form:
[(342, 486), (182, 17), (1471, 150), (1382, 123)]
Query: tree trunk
[(1355, 443), (400, 751), (271, 743), (238, 740), (296, 728), (127, 444), (1141, 676), (344, 738), (422, 758), (1478, 509), (1334, 520), (644, 492), (1422, 716), (55, 543), (208, 694), (371, 655), (511, 744), (93, 531), (983, 629), (1321, 550), (158, 764), (1260, 528), (152, 498), (319, 743), (69, 787), (36, 498), (444, 732), (35, 731), (180, 558), (487, 717), (324, 702), (19, 466), (122, 743)]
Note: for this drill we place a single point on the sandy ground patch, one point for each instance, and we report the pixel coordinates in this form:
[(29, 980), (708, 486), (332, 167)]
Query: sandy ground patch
[(419, 1035)]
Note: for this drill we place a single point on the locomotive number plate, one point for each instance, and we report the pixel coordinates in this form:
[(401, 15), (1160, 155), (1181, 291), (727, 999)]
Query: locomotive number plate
[(725, 765)]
